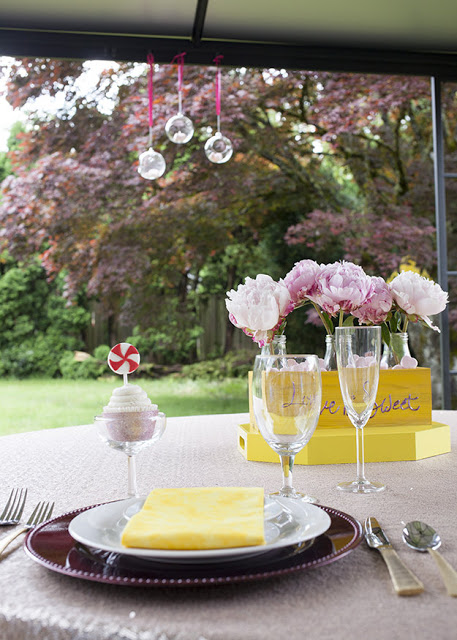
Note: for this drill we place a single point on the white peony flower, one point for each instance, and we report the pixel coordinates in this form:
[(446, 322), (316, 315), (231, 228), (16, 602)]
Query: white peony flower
[(417, 296), (259, 306)]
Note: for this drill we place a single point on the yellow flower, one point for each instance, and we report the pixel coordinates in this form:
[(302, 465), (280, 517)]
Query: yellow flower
[(407, 264)]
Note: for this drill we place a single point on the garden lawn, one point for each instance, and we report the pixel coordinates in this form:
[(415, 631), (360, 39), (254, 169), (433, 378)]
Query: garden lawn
[(28, 405)]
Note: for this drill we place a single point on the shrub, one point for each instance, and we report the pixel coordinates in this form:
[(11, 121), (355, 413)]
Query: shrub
[(46, 349), (73, 369), (175, 344), (233, 365), (101, 353), (38, 324), (17, 361)]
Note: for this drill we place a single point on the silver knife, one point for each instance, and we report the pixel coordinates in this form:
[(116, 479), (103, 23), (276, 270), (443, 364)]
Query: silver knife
[(404, 581)]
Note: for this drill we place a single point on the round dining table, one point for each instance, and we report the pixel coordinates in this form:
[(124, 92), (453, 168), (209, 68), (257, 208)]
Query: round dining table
[(349, 597)]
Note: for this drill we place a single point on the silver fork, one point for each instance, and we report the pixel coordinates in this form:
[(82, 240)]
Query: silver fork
[(14, 507), (42, 512)]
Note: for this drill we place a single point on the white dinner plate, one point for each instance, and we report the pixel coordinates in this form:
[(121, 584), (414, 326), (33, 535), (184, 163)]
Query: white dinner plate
[(287, 522)]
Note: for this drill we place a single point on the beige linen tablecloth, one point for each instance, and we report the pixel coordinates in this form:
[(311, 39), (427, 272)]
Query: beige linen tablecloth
[(351, 598)]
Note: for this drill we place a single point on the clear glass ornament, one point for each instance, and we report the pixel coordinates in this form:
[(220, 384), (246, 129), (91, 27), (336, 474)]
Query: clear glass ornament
[(152, 164), (218, 149), (179, 128)]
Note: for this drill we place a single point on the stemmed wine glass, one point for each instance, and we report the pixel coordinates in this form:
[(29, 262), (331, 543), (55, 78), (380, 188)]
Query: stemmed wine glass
[(358, 352), (286, 395), (131, 433)]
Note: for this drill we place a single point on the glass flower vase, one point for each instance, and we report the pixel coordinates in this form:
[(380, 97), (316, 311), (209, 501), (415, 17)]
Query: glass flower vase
[(330, 353), (393, 353), (275, 348)]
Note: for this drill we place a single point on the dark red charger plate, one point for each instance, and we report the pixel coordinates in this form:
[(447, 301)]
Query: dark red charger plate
[(51, 545)]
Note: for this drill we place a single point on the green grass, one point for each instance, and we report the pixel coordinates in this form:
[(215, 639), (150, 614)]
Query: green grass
[(28, 405)]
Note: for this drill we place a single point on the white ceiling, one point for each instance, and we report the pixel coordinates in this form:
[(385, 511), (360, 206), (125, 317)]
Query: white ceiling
[(155, 17), (351, 21), (126, 28)]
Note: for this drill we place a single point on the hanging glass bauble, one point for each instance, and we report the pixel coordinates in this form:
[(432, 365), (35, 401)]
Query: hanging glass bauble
[(152, 164), (179, 129), (218, 148)]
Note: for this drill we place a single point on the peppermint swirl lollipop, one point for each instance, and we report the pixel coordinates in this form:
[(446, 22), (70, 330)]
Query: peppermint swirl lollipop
[(123, 359)]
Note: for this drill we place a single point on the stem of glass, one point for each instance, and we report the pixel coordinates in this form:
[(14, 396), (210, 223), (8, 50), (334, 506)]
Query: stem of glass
[(131, 477), (360, 455), (287, 465)]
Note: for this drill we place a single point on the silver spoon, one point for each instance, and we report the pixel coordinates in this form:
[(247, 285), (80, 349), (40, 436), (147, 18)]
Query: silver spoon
[(422, 537)]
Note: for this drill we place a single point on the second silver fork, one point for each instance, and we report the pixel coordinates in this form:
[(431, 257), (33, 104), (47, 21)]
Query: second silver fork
[(41, 513)]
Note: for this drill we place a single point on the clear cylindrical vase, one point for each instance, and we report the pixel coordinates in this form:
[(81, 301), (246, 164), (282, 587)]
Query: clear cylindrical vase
[(393, 353), (330, 353), (277, 347)]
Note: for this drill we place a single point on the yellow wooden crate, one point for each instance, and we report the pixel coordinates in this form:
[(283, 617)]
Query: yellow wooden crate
[(400, 427), (333, 446), (404, 397)]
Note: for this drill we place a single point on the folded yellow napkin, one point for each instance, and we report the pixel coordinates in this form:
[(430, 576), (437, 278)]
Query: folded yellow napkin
[(198, 518)]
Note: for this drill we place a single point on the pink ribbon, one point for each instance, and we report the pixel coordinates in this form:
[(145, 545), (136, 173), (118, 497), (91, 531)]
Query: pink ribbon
[(180, 62), (217, 60), (150, 60)]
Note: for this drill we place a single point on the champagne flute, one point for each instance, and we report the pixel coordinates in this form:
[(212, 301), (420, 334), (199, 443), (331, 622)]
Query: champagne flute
[(131, 432), (358, 352), (286, 394)]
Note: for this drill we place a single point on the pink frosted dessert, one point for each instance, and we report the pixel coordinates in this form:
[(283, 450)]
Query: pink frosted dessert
[(130, 415)]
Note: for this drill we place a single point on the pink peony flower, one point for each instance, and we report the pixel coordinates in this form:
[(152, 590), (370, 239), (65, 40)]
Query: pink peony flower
[(258, 307), (418, 297), (302, 280), (342, 286), (376, 309), (312, 317)]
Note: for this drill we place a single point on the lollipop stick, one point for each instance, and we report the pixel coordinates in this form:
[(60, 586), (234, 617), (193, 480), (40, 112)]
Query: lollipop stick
[(126, 378)]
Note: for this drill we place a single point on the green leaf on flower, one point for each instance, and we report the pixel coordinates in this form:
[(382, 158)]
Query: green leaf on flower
[(426, 322), (349, 322), (385, 333), (327, 322), (395, 322)]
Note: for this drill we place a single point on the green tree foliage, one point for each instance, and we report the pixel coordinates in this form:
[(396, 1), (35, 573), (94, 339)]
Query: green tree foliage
[(5, 165), (13, 143), (319, 159), (38, 325)]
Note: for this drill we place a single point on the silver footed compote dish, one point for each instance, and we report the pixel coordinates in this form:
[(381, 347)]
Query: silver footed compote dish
[(286, 397), (358, 353)]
